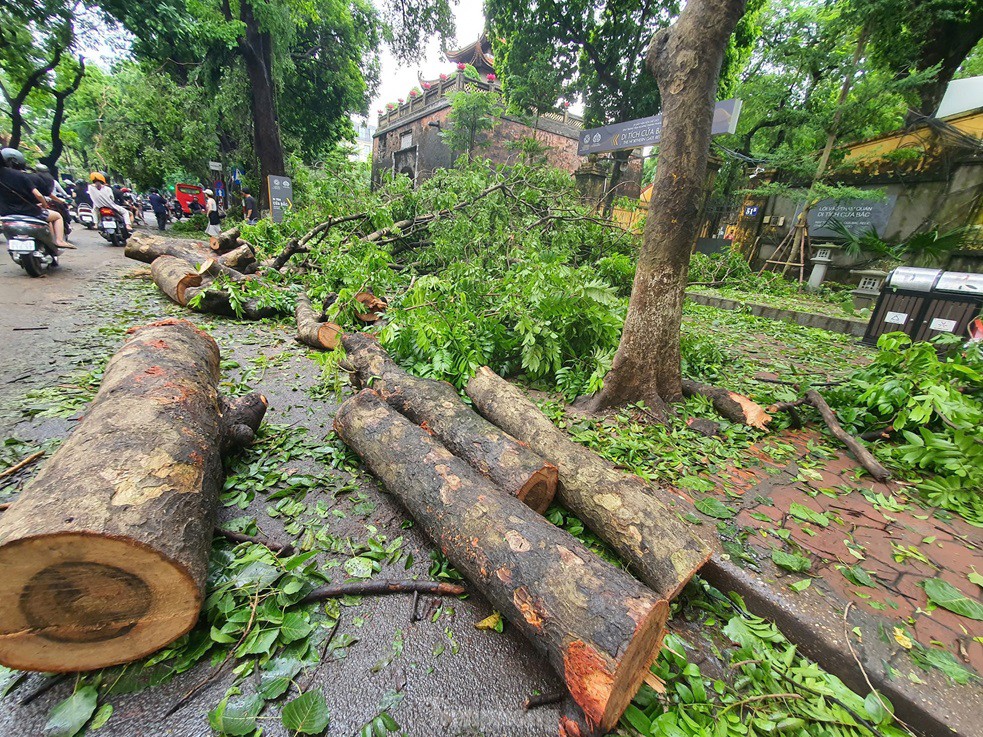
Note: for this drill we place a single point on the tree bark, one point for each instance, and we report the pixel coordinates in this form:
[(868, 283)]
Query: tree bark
[(685, 59), (437, 407), (58, 117), (16, 103), (256, 48), (735, 407), (639, 521), (599, 627), (105, 553), (311, 330)]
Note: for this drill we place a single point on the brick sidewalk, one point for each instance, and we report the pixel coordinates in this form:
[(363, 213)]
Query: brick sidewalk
[(847, 524)]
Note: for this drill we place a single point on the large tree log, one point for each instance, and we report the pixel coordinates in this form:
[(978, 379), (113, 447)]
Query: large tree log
[(312, 330), (104, 554), (175, 276), (436, 406), (148, 248), (735, 407), (217, 302), (598, 626), (639, 521)]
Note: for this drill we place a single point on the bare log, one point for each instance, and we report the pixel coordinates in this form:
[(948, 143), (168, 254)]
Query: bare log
[(437, 406), (638, 520), (148, 248), (227, 240), (105, 552), (735, 407), (598, 626), (863, 455), (217, 302), (175, 276), (311, 330)]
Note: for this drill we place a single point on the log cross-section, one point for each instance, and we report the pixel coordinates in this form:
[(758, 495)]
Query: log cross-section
[(621, 509), (104, 554), (436, 406), (598, 626)]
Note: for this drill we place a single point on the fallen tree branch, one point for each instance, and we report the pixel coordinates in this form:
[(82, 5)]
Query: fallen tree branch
[(22, 464), (241, 537), (300, 245), (311, 330), (863, 455), (735, 407), (381, 588)]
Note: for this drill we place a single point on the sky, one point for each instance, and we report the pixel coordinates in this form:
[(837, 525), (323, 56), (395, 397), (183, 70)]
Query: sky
[(397, 79)]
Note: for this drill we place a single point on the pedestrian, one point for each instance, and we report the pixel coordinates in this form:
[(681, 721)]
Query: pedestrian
[(214, 229), (159, 205), (249, 213)]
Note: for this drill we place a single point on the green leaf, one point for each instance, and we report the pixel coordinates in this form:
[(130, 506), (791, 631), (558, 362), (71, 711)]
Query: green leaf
[(790, 561), (878, 708), (294, 627), (714, 508), (804, 514), (68, 717), (857, 576), (275, 678), (237, 716), (307, 714), (359, 567), (103, 713), (944, 594), (976, 578), (801, 585)]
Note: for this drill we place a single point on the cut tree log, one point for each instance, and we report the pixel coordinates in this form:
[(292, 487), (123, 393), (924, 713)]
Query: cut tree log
[(105, 552), (437, 407), (374, 307), (217, 302), (598, 626), (240, 258), (175, 276), (735, 407), (311, 330), (227, 240), (148, 248), (639, 521)]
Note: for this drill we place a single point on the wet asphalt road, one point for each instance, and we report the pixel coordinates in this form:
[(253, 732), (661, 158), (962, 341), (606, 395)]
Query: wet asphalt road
[(77, 314)]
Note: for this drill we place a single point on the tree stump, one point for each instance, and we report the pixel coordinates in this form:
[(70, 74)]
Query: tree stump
[(436, 406), (311, 330), (104, 554), (638, 521), (598, 626)]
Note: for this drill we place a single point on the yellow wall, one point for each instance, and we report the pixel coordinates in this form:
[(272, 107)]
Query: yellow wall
[(968, 123)]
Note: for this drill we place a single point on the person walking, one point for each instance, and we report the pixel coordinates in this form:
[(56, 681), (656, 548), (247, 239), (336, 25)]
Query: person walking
[(249, 213), (214, 229), (159, 205)]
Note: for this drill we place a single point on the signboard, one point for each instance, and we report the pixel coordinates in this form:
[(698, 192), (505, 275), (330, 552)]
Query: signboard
[(281, 196), (219, 189), (859, 216), (648, 131), (237, 175), (215, 165), (751, 211)]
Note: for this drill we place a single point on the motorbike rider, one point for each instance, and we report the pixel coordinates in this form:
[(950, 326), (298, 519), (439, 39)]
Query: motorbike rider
[(19, 195), (54, 194), (82, 194), (102, 196)]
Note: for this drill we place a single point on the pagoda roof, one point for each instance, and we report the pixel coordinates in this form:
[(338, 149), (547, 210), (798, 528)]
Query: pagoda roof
[(478, 54)]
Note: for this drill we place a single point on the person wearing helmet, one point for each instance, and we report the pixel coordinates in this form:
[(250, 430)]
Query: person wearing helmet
[(102, 196), (19, 195)]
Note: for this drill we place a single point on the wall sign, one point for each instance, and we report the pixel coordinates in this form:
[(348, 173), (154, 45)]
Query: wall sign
[(896, 318), (943, 326), (858, 216)]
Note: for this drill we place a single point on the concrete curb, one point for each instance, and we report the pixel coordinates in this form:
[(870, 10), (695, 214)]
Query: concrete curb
[(845, 325)]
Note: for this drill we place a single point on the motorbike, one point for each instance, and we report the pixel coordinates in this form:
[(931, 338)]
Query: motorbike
[(29, 243), (112, 227), (83, 213)]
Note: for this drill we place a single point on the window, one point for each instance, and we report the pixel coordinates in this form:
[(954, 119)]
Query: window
[(406, 141)]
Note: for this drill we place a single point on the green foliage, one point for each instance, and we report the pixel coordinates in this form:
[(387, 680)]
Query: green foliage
[(472, 115), (69, 717), (935, 403), (920, 249), (767, 687), (195, 224)]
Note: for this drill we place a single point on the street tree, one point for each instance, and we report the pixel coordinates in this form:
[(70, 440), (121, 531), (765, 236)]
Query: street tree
[(685, 60)]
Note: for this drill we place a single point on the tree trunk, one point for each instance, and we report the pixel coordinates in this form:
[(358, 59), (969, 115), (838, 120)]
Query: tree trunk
[(599, 627), (105, 553), (147, 248), (58, 117), (256, 47), (685, 59), (311, 330), (948, 47), (639, 521), (174, 277), (436, 406)]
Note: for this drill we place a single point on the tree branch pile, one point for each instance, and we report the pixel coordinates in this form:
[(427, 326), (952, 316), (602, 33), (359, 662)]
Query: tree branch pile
[(105, 552)]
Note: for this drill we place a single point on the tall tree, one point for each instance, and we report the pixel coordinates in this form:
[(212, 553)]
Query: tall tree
[(912, 36), (685, 60)]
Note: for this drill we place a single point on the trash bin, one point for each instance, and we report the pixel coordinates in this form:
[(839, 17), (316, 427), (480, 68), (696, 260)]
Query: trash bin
[(923, 303)]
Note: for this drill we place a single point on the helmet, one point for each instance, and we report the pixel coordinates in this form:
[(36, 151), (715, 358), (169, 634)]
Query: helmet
[(97, 176), (13, 158), (125, 190), (41, 168), (209, 192)]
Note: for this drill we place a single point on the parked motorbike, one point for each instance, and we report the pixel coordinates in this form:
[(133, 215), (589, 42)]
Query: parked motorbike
[(29, 243), (112, 227), (83, 213)]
